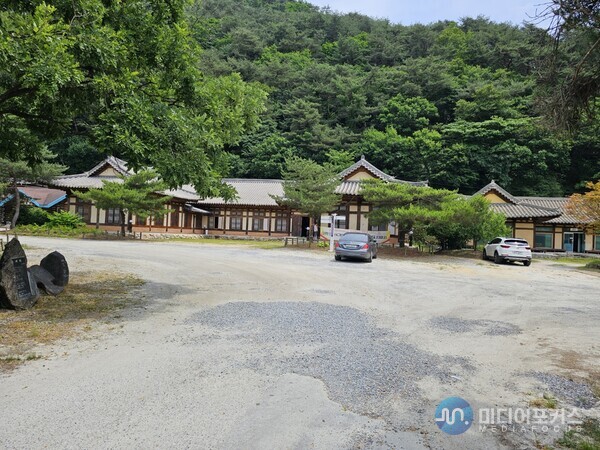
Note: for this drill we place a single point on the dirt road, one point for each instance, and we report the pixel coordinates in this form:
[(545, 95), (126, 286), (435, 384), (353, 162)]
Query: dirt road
[(248, 348)]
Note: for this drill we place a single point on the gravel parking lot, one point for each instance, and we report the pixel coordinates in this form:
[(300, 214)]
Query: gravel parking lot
[(237, 347)]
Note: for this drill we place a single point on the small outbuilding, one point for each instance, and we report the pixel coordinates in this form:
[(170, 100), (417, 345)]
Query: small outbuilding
[(543, 221), (38, 196)]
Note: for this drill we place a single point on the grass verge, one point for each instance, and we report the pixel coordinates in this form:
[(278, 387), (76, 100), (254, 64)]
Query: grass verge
[(89, 297), (575, 260), (267, 244), (63, 232), (593, 265), (587, 438)]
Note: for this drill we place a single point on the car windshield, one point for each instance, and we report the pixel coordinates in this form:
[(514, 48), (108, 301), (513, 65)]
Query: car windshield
[(516, 242), (355, 237)]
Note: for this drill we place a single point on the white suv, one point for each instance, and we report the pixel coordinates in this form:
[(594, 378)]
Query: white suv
[(508, 249)]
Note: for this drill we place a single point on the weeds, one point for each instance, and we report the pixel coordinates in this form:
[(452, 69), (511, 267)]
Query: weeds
[(267, 244), (547, 401), (593, 265), (576, 260), (587, 438)]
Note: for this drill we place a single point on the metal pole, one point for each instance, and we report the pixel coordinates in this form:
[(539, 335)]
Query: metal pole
[(332, 232)]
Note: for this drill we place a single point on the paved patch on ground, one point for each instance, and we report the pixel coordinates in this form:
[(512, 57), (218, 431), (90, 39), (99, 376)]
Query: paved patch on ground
[(489, 327), (363, 367)]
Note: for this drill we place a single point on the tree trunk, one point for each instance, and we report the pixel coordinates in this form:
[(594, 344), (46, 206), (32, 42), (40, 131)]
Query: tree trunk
[(122, 214), (17, 204)]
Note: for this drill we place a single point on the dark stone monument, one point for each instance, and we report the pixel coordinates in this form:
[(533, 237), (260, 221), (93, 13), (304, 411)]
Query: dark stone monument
[(18, 289), (56, 264), (52, 274)]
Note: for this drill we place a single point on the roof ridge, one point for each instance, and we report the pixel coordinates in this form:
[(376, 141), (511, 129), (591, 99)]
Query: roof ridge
[(529, 197), (362, 162), (503, 192), (254, 180)]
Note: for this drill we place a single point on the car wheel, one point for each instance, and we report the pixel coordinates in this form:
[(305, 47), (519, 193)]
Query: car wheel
[(498, 259), (526, 263), (484, 255), (338, 257), (375, 256), (370, 257)]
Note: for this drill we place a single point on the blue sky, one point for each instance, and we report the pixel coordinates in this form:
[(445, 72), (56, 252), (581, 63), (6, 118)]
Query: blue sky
[(426, 11)]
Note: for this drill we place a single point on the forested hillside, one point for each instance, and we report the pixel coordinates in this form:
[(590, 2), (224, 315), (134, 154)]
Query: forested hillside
[(452, 103)]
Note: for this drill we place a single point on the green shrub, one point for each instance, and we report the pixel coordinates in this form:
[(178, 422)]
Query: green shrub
[(64, 219), (32, 215), (59, 231), (593, 265)]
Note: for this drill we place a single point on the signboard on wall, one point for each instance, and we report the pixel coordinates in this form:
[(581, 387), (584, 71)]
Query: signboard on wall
[(325, 220), (380, 236)]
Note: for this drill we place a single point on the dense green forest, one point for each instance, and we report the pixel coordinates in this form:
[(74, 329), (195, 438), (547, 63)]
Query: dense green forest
[(457, 104)]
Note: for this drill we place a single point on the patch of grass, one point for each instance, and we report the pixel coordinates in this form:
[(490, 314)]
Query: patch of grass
[(546, 401), (45, 230), (89, 297), (405, 252), (267, 244), (596, 389), (13, 358), (593, 265), (8, 362), (575, 260), (464, 253), (588, 438)]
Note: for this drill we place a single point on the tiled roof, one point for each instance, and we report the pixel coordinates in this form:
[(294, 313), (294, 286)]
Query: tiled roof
[(41, 197), (254, 192), (348, 188), (363, 163), (559, 203), (118, 164), (185, 192), (90, 179), (552, 208), (522, 210), (353, 187), (82, 182), (493, 186), (546, 202)]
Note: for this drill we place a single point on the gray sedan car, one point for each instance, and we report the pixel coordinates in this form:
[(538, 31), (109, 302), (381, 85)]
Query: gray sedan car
[(356, 245)]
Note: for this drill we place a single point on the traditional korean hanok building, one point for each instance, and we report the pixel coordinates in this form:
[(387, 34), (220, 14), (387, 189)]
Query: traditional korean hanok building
[(353, 210), (253, 213), (182, 218), (543, 221), (256, 213)]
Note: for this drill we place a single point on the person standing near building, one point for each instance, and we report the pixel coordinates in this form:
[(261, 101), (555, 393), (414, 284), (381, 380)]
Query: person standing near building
[(316, 231)]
